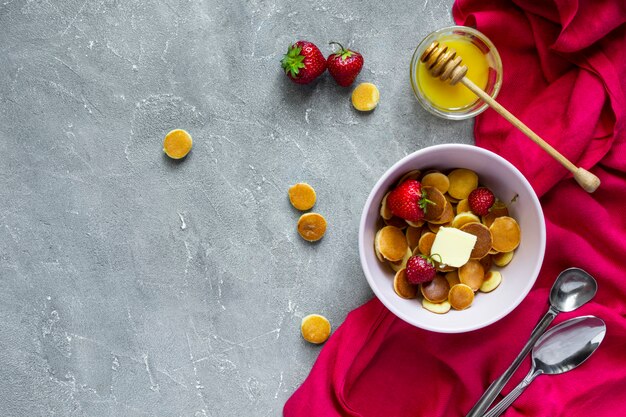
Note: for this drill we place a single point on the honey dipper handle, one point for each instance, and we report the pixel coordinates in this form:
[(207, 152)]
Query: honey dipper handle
[(588, 181)]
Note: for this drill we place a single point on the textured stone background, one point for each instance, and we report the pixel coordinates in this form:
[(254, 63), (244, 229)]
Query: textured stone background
[(136, 286)]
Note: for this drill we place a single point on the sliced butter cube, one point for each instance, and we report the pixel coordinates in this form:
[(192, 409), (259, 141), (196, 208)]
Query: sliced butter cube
[(453, 245)]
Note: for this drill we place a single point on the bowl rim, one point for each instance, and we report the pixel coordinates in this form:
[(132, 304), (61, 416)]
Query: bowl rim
[(452, 147)]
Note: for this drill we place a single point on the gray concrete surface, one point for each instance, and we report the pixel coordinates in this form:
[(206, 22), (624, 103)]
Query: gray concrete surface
[(132, 285)]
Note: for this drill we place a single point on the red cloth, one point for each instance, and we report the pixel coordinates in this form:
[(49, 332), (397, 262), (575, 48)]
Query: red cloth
[(564, 71)]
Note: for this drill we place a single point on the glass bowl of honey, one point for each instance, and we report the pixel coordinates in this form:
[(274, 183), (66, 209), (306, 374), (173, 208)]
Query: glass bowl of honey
[(457, 102)]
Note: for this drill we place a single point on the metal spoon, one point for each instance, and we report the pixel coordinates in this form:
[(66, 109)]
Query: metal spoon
[(572, 288), (561, 349)]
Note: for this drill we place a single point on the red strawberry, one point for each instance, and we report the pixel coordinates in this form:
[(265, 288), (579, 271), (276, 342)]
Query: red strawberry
[(408, 201), (344, 65), (420, 269), (303, 62), (480, 201)]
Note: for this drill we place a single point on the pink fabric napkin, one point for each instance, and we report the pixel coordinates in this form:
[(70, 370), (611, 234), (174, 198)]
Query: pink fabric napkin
[(564, 69)]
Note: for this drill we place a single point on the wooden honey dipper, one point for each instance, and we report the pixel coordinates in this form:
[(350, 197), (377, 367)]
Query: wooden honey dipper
[(444, 63)]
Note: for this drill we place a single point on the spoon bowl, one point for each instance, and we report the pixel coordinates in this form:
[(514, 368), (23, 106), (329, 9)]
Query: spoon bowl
[(560, 349), (572, 288)]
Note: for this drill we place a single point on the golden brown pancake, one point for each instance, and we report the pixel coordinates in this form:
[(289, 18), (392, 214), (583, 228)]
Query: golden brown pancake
[(426, 243), (453, 278), (506, 234), (464, 217), (402, 287), (463, 206), (460, 297), (413, 235), (438, 180), (438, 308), (472, 274), (446, 216), (411, 175), (503, 258), (435, 209), (462, 183), (436, 290), (312, 226), (391, 243), (491, 282), (385, 212), (486, 262), (483, 239)]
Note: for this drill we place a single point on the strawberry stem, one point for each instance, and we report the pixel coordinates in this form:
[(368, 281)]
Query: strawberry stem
[(438, 256), (424, 202), (337, 43), (431, 259), (343, 52)]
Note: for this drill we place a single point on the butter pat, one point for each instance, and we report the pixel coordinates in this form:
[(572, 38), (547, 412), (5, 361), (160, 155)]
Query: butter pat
[(453, 245)]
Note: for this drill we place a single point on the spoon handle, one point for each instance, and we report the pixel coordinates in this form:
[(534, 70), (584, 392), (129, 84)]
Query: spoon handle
[(516, 392), (496, 386)]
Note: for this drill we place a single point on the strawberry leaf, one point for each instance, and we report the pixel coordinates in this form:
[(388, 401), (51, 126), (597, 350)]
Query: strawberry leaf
[(292, 61), (424, 202)]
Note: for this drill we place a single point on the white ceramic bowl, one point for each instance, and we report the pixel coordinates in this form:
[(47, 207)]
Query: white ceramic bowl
[(517, 278)]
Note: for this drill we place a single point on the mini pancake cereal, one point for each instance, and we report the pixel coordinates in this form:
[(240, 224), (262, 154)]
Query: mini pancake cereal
[(461, 297), (463, 206), (462, 183), (177, 144), (472, 274), (385, 213), (398, 265), (413, 235), (491, 281), (402, 287), (437, 201), (315, 328), (411, 175), (446, 217), (438, 180), (302, 196), (502, 258), (499, 209), (453, 278), (426, 243), (436, 291), (438, 308), (506, 234), (312, 226), (391, 243), (483, 239), (436, 209), (463, 218)]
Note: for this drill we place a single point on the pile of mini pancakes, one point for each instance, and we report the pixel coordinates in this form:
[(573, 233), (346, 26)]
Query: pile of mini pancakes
[(497, 237)]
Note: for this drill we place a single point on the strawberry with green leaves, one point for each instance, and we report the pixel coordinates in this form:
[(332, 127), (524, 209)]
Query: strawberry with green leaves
[(408, 201), (344, 65), (303, 62), (420, 269)]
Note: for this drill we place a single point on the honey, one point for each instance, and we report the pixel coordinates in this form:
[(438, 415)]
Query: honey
[(455, 97)]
